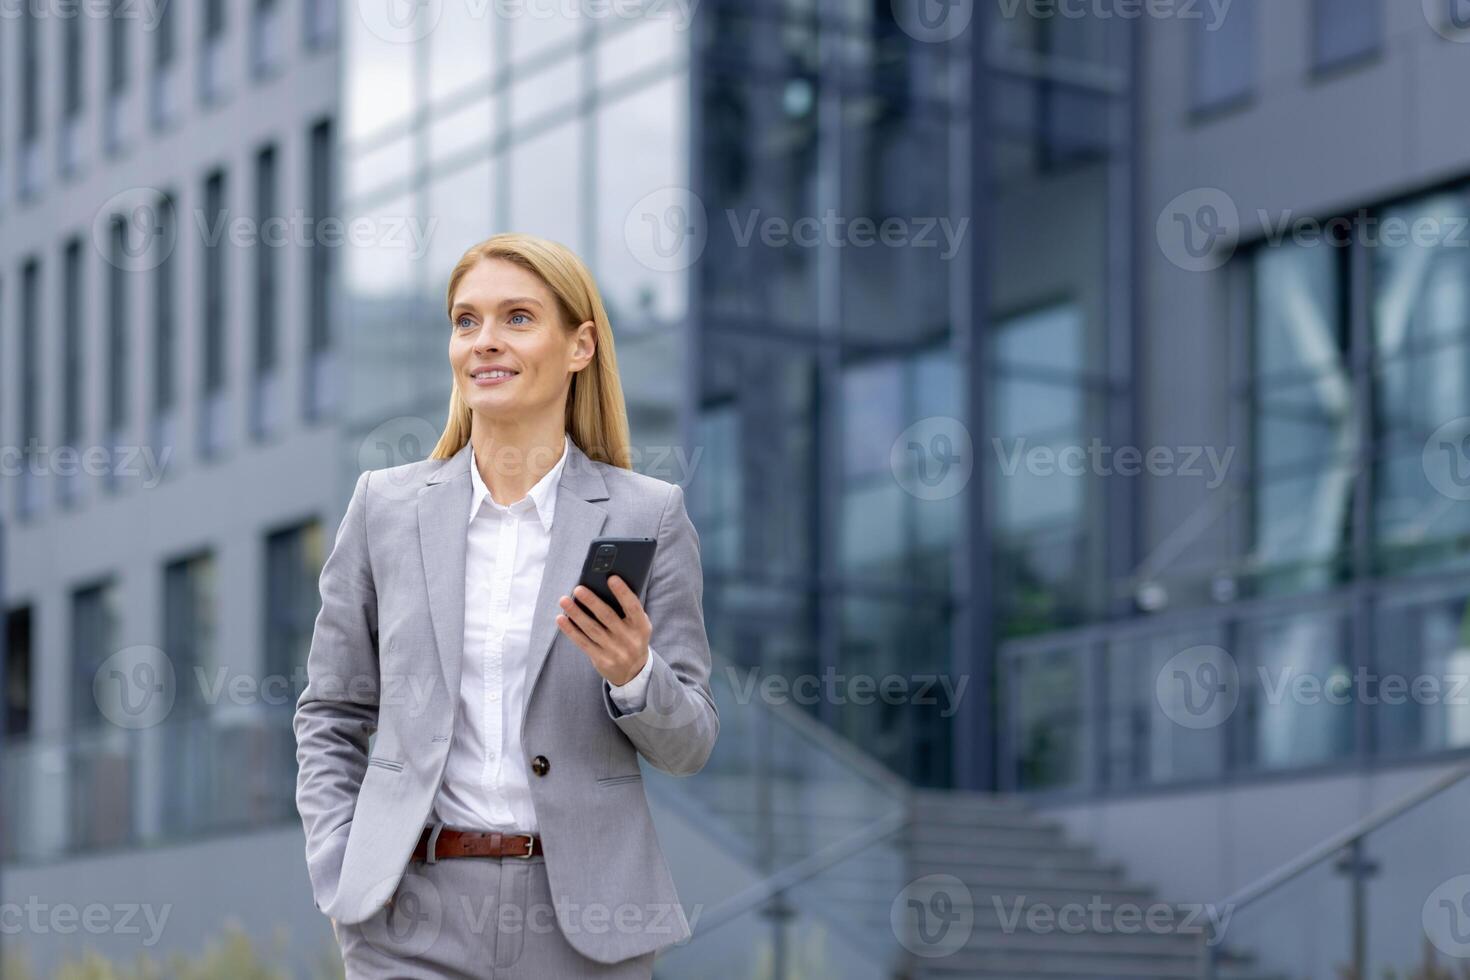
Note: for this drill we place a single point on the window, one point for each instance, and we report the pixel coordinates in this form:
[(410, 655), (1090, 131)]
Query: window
[(189, 595), (321, 22), (94, 621), (165, 332), (1345, 31), (1314, 450), (319, 396), (1304, 440), (265, 391), (72, 87), (72, 367), (164, 98), (212, 53), (265, 38), (1225, 57), (30, 101), (117, 47), (1420, 315), (31, 328), (19, 695), (213, 324), (1044, 403), (118, 345), (117, 76), (293, 564), (900, 508)]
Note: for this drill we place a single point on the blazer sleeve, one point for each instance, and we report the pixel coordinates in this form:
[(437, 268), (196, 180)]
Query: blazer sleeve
[(338, 709), (677, 726)]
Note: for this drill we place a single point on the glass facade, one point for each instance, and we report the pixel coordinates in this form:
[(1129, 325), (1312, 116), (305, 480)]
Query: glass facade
[(1337, 618), (827, 290), (820, 342), (738, 185)]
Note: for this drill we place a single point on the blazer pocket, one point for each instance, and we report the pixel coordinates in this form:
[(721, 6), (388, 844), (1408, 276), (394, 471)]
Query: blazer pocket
[(614, 780), (389, 764)]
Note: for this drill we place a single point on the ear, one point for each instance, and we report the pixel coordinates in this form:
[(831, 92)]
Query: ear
[(584, 345)]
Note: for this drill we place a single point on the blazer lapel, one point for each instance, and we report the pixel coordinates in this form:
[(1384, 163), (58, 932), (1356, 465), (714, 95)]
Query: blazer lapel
[(578, 520), (444, 521)]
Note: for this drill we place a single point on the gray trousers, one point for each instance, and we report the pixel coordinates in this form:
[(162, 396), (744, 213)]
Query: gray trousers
[(480, 918)]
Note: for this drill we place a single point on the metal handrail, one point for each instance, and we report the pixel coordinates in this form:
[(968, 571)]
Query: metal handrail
[(1349, 839)]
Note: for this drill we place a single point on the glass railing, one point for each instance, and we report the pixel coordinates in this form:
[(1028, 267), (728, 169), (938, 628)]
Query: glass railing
[(791, 931), (1388, 897), (815, 824), (1238, 691), (109, 788)]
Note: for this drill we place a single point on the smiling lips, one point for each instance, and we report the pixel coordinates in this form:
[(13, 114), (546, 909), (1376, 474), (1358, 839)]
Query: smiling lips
[(488, 377)]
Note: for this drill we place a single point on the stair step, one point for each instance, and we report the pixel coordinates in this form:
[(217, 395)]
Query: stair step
[(1093, 966), (986, 877), (936, 969), (922, 848)]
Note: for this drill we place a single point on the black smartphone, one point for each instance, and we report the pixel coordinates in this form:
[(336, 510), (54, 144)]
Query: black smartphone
[(627, 558)]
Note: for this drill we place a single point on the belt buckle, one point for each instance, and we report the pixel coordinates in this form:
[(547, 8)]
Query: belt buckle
[(530, 848)]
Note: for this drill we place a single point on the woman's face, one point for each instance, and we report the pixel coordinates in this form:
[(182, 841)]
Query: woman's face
[(512, 355)]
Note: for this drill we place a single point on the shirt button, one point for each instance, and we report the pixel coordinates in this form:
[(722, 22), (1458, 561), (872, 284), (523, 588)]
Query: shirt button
[(540, 765), (494, 695)]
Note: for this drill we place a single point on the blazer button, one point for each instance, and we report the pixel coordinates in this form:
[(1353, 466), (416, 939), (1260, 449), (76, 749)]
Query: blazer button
[(540, 765)]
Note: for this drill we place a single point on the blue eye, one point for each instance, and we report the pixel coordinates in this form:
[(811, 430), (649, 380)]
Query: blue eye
[(522, 317), (462, 321)]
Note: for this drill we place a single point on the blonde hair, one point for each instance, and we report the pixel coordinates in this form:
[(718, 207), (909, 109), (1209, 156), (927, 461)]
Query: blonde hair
[(597, 418)]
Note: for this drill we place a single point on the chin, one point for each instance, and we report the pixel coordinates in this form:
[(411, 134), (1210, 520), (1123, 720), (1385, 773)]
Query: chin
[(493, 408)]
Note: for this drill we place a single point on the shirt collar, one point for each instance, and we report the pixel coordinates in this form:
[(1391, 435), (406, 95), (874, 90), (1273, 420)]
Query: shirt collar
[(542, 496)]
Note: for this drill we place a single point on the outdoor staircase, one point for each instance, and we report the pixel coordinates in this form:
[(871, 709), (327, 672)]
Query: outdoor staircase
[(836, 854), (1004, 852)]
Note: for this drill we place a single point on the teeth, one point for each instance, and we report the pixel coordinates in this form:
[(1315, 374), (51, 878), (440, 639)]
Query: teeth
[(493, 374)]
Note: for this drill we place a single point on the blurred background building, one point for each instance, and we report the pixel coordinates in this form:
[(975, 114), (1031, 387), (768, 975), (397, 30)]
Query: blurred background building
[(992, 342)]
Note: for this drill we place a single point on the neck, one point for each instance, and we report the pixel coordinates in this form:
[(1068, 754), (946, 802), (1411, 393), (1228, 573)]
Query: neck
[(513, 455)]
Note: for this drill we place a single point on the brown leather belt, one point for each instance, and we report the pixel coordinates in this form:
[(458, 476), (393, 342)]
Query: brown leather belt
[(450, 843)]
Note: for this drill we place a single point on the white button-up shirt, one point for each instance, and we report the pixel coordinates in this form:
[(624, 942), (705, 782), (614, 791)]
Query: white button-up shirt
[(486, 783)]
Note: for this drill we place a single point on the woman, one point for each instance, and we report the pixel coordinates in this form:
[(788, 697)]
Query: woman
[(497, 824)]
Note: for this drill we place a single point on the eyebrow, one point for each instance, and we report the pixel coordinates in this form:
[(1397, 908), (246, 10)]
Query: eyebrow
[(511, 301)]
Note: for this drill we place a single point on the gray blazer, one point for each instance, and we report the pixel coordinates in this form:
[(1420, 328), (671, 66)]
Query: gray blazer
[(385, 657)]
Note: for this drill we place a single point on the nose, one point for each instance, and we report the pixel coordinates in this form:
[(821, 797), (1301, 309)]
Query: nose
[(486, 340)]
